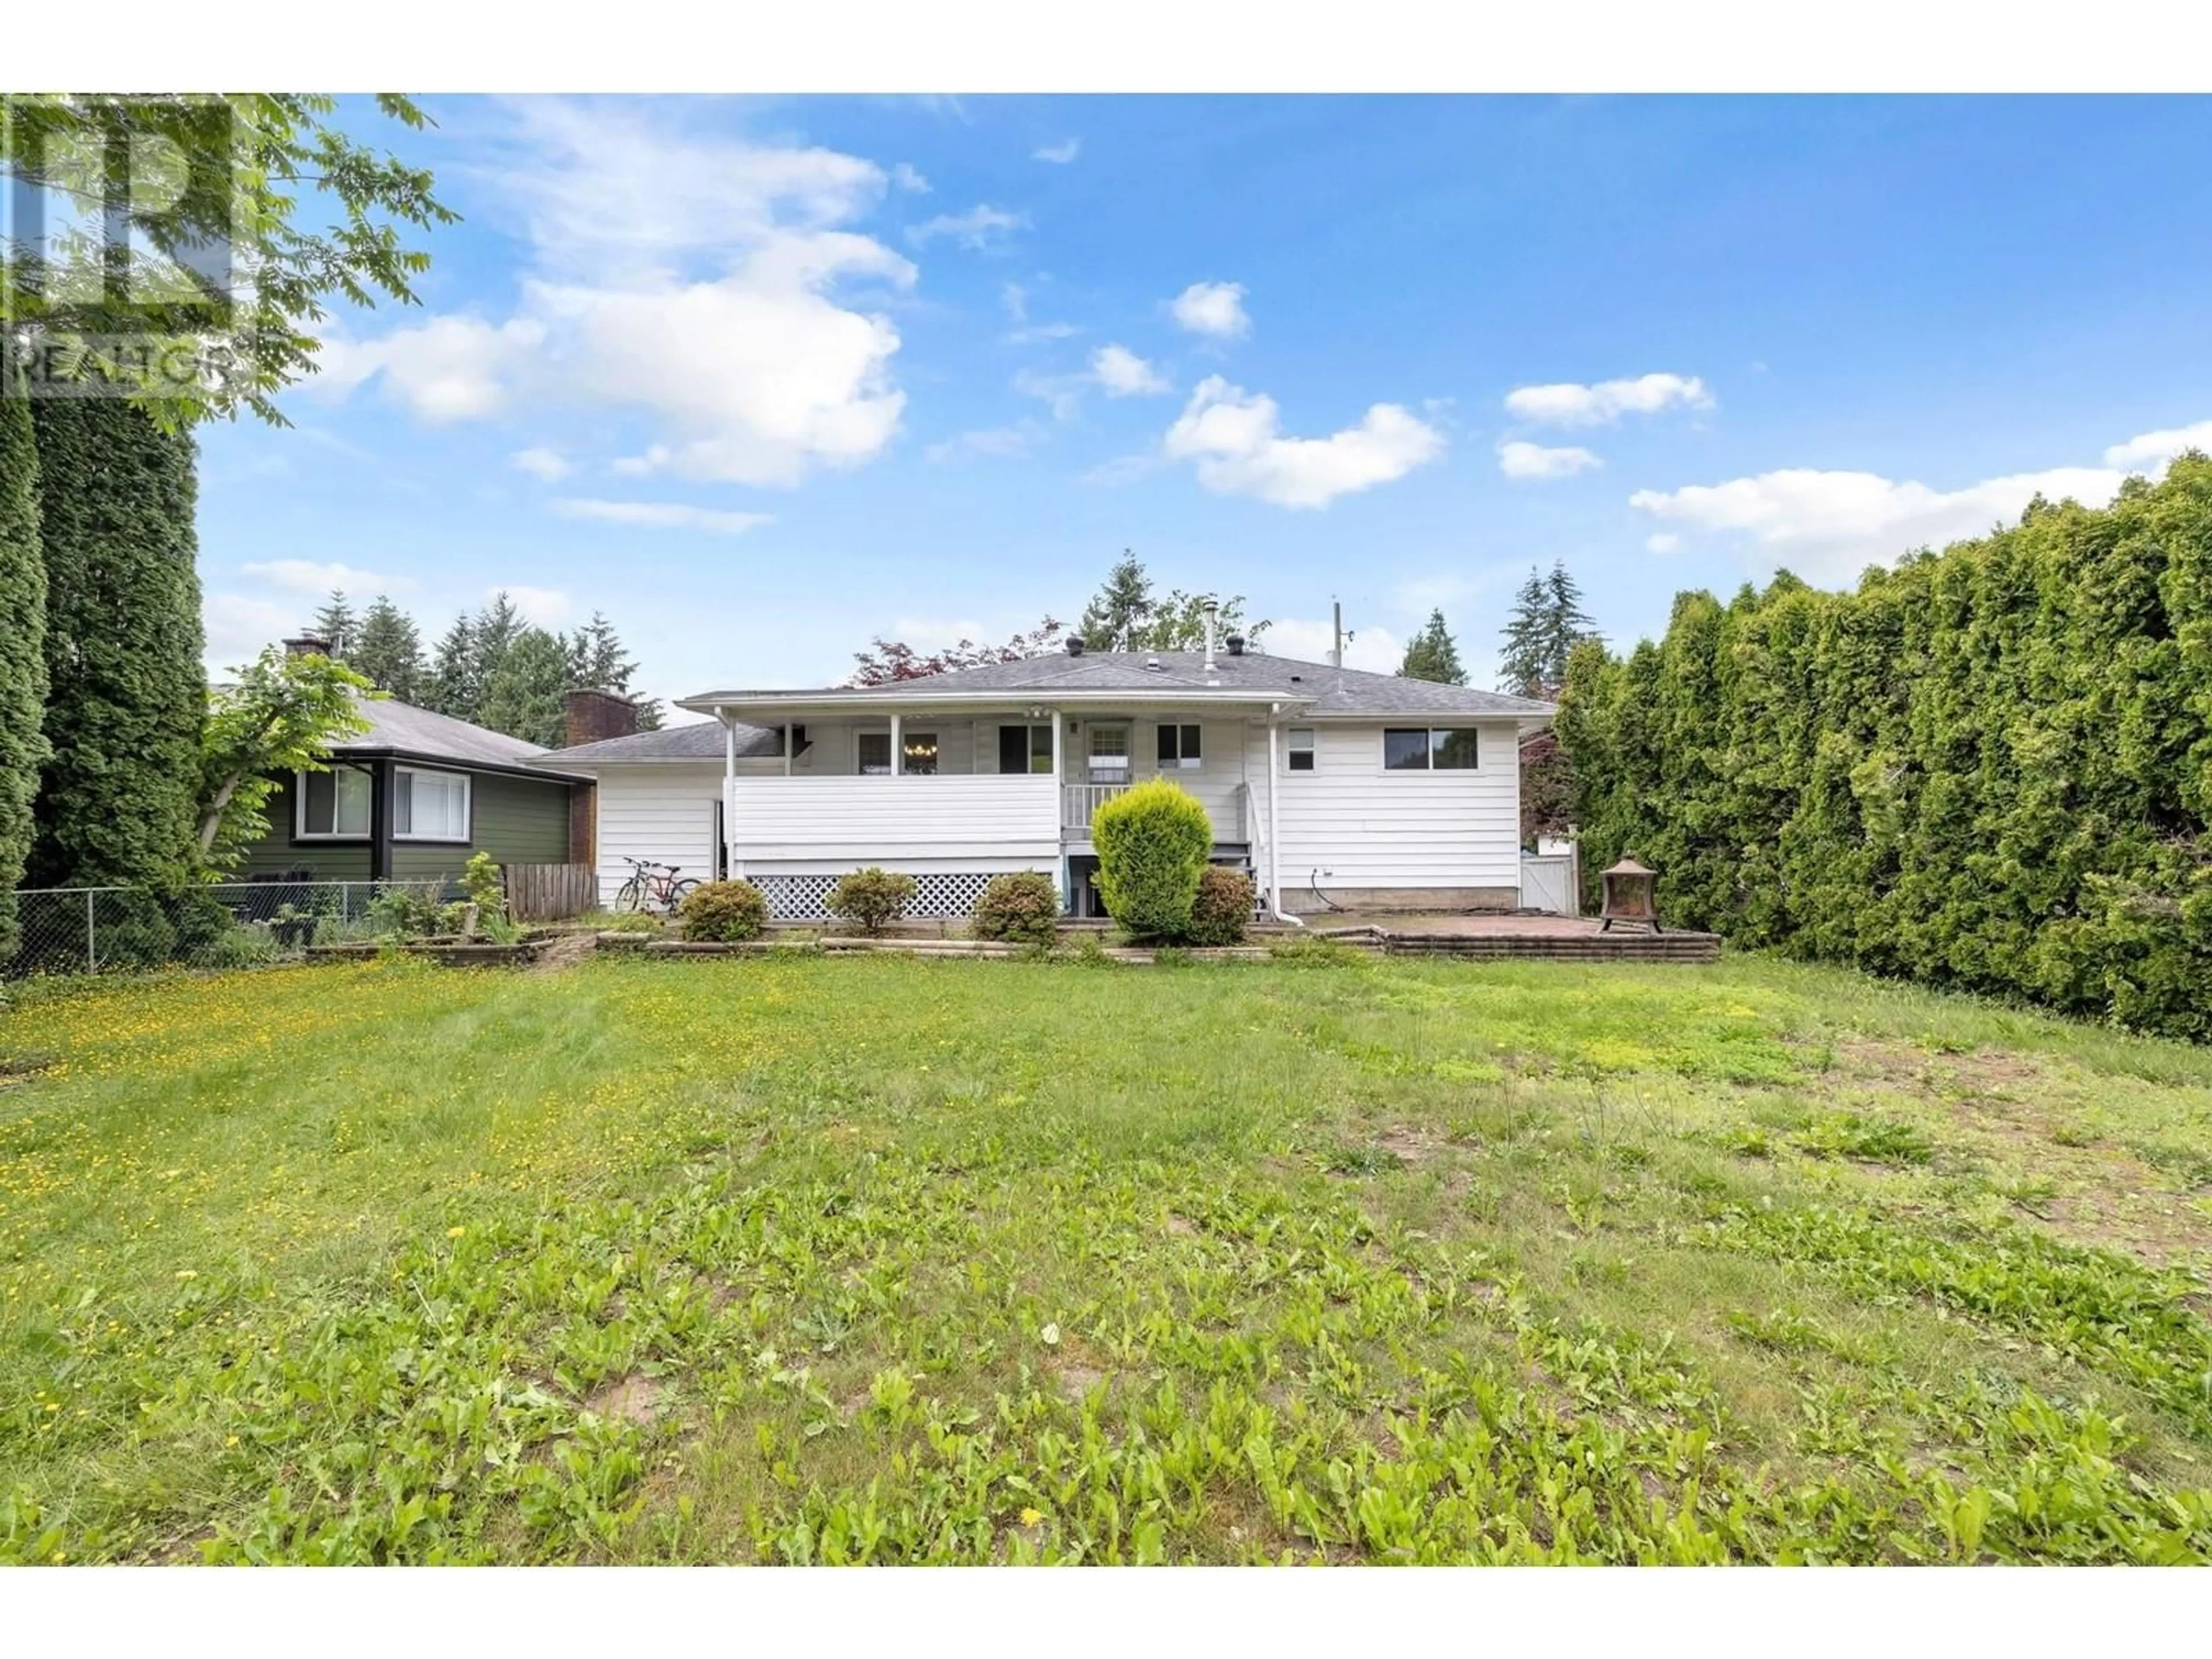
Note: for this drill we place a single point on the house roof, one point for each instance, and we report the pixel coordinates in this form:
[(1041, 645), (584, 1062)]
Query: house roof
[(1180, 675), (401, 728), (701, 740)]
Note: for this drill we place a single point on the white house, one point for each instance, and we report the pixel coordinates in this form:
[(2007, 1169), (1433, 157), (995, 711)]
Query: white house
[(1329, 785)]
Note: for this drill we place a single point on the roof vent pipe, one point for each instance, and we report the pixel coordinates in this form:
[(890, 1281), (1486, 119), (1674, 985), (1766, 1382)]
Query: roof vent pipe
[(1152, 663), (1213, 613), (1075, 645), (1236, 644)]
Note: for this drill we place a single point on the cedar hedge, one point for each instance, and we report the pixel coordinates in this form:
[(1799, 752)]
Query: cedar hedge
[(22, 653), (1988, 769)]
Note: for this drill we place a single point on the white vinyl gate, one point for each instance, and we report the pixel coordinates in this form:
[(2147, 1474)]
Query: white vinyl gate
[(1548, 882)]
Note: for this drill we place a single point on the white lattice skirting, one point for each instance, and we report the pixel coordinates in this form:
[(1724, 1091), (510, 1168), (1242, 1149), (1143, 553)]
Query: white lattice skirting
[(943, 894)]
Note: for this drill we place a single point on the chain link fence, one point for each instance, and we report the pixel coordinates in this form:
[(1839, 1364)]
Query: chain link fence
[(233, 924)]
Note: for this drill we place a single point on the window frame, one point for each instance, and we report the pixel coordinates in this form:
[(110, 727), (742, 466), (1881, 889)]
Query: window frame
[(1128, 769), (1433, 748), (468, 807), (1171, 734), (337, 769), (860, 766), (1292, 753), (906, 742)]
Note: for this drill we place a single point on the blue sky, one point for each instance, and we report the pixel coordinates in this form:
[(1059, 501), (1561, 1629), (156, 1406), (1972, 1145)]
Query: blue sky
[(761, 378)]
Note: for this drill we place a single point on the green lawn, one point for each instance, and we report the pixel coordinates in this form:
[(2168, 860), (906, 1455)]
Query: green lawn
[(807, 1259)]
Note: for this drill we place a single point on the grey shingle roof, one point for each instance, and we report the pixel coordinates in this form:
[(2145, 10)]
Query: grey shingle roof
[(1331, 691), (401, 726), (701, 740)]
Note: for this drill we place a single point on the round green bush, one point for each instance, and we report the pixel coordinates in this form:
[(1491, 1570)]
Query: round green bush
[(1223, 909), (872, 899), (1022, 907), (1153, 840), (723, 912)]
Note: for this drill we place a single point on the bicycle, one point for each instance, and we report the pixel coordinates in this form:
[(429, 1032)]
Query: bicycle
[(652, 886)]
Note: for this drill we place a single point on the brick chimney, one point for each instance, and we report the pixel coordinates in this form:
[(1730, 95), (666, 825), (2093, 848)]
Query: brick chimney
[(590, 715)]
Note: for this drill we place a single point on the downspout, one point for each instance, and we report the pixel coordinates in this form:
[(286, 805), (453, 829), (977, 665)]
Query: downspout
[(730, 867), (1274, 856)]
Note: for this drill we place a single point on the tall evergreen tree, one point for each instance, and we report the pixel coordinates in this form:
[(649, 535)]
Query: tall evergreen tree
[(336, 625), (1432, 655), (1520, 660), (1566, 625), (491, 635), (127, 697), (453, 687), (597, 660), (388, 651), (1122, 604), (523, 697), (22, 653)]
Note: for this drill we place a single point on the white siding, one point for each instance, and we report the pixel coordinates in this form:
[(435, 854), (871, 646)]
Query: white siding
[(663, 811), (873, 818), (1350, 824)]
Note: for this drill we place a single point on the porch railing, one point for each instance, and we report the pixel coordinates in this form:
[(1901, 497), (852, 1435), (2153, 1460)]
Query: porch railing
[(1080, 802)]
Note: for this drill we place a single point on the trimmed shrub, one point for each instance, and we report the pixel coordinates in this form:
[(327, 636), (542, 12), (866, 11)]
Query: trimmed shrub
[(1223, 909), (872, 899), (723, 912), (629, 922), (1153, 840), (1022, 908), (22, 654)]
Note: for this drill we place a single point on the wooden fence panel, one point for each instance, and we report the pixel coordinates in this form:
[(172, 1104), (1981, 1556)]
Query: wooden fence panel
[(551, 892)]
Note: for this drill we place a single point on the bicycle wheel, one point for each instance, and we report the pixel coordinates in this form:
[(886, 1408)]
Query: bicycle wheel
[(631, 896), (676, 892)]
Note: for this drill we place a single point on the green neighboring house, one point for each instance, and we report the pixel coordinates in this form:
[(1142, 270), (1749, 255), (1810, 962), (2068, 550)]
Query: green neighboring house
[(412, 798)]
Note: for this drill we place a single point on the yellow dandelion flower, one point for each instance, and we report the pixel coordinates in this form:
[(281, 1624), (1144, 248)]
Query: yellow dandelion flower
[(1031, 1517), (455, 1232), (187, 1272), (230, 1440)]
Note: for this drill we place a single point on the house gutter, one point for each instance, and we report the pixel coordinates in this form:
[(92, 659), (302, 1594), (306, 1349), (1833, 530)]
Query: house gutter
[(1274, 848)]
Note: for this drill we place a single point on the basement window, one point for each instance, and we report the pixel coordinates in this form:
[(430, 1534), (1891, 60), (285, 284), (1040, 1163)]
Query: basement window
[(1429, 748)]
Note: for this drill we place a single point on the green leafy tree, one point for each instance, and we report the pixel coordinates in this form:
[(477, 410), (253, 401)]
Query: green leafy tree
[(1989, 769), (523, 696), (1431, 654), (1178, 623), (241, 172), (127, 696), (492, 635), (388, 651), (336, 625), (281, 716), (1127, 615), (23, 749)]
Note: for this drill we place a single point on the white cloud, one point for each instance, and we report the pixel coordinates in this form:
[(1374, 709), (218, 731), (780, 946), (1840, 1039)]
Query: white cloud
[(699, 280), (1216, 309), (1518, 459), (1123, 374), (659, 515), (547, 607), (999, 443), (447, 370), (1570, 404), (539, 462), (307, 576), (1377, 650), (1665, 541), (1058, 155), (2151, 451), (981, 230), (1233, 437), (1830, 525), (1062, 394), (904, 176), (237, 627)]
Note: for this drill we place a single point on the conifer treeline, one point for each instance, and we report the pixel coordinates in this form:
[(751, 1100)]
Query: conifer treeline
[(1989, 769), (493, 669)]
